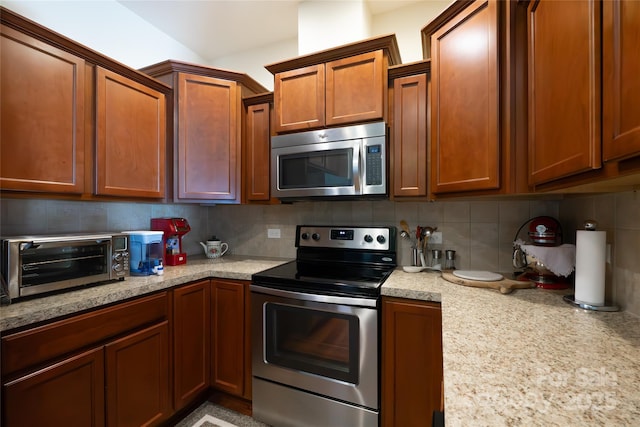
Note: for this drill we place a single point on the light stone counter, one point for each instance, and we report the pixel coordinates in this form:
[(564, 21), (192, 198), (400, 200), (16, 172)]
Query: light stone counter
[(528, 358), (31, 311)]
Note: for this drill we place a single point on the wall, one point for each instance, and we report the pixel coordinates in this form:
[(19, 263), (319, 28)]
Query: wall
[(107, 27), (34, 216)]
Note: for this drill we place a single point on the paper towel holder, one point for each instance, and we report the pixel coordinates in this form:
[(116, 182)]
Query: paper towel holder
[(589, 225), (572, 300)]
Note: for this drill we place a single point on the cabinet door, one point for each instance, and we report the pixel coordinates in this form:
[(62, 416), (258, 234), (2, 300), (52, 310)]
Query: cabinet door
[(137, 378), (465, 108), (355, 88), (564, 88), (258, 153), (208, 141), (131, 137), (66, 394), (42, 115), (411, 362), (227, 336), (299, 99), (621, 81), (410, 136), (191, 332)]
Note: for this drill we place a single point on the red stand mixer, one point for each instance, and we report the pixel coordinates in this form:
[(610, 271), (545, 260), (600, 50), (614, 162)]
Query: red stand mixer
[(544, 237), (174, 229)]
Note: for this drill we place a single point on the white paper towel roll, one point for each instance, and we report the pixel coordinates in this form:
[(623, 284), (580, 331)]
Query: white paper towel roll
[(591, 253)]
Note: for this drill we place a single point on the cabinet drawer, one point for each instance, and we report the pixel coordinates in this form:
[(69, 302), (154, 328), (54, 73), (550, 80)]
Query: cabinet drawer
[(28, 348)]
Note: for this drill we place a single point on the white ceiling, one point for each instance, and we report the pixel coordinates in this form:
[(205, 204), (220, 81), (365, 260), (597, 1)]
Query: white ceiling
[(216, 28)]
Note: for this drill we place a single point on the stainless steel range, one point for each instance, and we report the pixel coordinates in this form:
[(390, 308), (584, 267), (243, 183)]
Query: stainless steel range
[(315, 329)]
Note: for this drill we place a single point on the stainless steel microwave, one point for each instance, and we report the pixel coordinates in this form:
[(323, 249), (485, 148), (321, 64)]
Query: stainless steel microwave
[(33, 265), (348, 161)]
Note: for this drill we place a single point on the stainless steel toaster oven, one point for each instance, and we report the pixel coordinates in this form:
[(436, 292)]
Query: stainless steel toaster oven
[(33, 265)]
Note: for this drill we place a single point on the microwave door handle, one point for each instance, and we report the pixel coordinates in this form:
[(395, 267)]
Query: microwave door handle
[(357, 172)]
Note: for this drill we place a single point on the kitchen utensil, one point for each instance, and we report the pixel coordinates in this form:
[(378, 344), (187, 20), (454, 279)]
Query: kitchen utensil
[(505, 285), (405, 226), (436, 257), (412, 268)]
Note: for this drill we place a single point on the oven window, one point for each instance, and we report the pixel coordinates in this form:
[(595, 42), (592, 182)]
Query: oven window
[(54, 264), (331, 168), (314, 341)]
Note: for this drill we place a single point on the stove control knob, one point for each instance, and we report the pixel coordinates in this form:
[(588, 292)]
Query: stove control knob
[(305, 236), (381, 239), (368, 238), (315, 236)]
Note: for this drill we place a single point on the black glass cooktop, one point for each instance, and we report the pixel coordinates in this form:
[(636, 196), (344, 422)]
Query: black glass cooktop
[(325, 278)]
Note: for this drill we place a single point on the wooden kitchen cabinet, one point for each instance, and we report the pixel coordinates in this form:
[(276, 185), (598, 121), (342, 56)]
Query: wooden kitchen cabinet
[(42, 111), (621, 84), (207, 129), (137, 378), (412, 373), (477, 111), (123, 349), (75, 122), (65, 394), (257, 149), (409, 135), (131, 137), (299, 99), (564, 89), (191, 342), (336, 87), (228, 333)]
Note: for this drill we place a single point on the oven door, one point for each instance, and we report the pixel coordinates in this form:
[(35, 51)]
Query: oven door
[(320, 344), (322, 169)]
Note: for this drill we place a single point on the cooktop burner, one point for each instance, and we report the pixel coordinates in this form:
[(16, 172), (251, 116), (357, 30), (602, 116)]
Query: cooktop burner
[(336, 261)]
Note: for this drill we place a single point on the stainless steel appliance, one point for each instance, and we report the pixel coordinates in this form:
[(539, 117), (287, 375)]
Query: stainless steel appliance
[(33, 265), (315, 329), (336, 162)]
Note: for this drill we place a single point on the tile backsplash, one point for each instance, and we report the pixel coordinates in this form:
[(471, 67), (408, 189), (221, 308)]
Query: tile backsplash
[(481, 232)]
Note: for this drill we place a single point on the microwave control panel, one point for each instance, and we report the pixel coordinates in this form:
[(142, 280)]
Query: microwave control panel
[(374, 165)]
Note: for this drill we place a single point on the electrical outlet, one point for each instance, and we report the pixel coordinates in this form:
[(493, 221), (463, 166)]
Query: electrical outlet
[(273, 233), (436, 237)]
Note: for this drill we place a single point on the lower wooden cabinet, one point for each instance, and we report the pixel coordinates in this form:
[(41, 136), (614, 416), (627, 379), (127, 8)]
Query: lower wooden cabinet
[(411, 362), (108, 367), (67, 394), (191, 342), (137, 373), (229, 329)]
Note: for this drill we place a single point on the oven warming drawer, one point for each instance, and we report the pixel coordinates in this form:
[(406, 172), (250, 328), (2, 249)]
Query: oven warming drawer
[(287, 407)]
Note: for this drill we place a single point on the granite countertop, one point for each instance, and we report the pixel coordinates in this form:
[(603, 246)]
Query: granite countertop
[(31, 311), (529, 358), (525, 358)]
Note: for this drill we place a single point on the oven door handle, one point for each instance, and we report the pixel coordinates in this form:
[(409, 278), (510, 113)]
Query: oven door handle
[(331, 299)]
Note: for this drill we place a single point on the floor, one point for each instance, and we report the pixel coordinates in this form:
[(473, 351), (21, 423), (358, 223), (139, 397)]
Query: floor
[(211, 415)]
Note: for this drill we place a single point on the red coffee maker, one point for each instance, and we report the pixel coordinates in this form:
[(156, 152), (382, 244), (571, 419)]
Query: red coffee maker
[(174, 229)]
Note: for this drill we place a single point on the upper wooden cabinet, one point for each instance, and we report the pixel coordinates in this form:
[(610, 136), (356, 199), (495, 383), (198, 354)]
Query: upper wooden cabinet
[(478, 138), (584, 107), (257, 148), (77, 122), (564, 88), (408, 121), (621, 81), (42, 111), (131, 137), (344, 85), (206, 128)]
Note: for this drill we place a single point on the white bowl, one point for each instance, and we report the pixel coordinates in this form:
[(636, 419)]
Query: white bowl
[(412, 268)]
